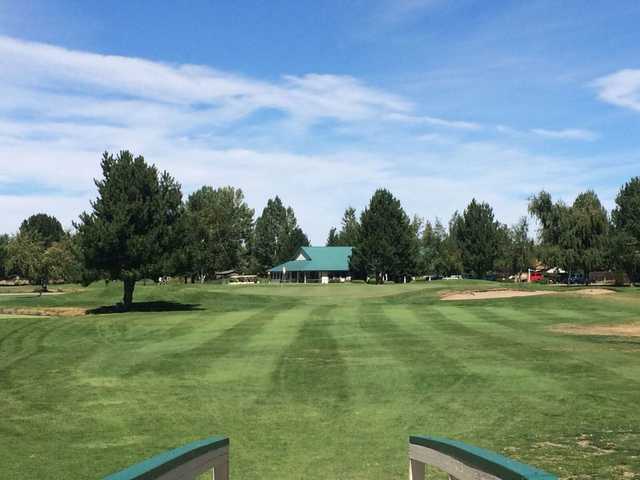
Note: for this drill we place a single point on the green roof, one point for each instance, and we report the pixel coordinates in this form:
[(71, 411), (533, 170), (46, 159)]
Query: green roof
[(318, 259)]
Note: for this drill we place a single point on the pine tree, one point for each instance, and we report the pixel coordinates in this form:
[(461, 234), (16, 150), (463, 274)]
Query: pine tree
[(477, 238), (626, 225), (386, 247), (277, 235), (133, 226)]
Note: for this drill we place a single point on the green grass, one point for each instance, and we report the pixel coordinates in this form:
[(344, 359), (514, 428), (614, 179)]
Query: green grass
[(318, 381)]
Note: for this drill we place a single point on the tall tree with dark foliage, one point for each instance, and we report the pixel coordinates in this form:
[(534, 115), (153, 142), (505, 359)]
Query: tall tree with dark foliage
[(626, 224), (277, 235), (387, 244), (133, 226), (476, 234)]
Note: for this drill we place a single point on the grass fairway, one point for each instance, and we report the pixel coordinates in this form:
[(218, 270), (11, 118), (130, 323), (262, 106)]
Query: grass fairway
[(318, 381)]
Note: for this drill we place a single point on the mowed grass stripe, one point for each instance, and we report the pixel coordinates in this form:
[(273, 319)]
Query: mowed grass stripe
[(308, 391), (203, 354)]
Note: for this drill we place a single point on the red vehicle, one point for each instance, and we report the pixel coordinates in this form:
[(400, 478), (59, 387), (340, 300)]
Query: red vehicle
[(536, 277)]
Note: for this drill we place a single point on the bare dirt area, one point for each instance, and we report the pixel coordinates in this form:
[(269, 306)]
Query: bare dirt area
[(30, 294), (594, 291), (44, 311), (492, 294), (624, 330)]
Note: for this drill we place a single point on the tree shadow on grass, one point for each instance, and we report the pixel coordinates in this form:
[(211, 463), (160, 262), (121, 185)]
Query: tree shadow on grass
[(159, 306)]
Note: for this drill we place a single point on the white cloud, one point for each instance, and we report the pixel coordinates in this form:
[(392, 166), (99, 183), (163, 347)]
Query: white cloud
[(621, 88), (60, 109), (434, 121), (41, 67), (566, 134)]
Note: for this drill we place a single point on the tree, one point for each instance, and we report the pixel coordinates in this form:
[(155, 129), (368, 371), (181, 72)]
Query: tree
[(572, 237), (133, 225), (503, 263), (332, 239), (43, 228), (277, 235), (452, 253), (4, 241), (522, 246), (386, 245), (626, 229), (476, 234), (349, 232), (432, 256), (218, 228), (25, 257), (28, 257), (590, 229)]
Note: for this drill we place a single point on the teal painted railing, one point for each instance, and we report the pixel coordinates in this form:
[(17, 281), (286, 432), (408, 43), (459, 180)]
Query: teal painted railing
[(466, 462), (186, 462), (459, 460)]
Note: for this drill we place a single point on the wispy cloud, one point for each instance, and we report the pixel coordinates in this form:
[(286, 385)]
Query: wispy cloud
[(437, 122), (393, 12), (621, 88), (61, 108), (310, 97), (566, 134)]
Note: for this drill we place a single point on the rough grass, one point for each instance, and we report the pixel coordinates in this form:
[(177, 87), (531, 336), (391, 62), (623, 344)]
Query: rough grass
[(317, 381)]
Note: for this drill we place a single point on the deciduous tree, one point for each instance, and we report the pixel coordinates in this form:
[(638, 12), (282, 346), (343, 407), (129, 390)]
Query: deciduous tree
[(43, 228), (218, 228)]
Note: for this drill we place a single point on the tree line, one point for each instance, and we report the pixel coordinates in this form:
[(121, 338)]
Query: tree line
[(140, 226)]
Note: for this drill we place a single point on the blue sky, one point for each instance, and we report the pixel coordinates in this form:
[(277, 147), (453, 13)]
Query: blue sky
[(322, 102)]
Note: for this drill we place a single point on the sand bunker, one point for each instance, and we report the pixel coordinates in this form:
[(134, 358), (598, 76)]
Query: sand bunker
[(44, 311), (625, 330), (491, 294)]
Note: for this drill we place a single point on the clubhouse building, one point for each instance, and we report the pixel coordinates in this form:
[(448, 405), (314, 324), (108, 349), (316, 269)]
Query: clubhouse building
[(315, 265)]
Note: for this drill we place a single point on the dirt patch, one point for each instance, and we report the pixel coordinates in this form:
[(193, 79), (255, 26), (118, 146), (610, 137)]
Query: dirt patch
[(594, 291), (625, 330), (491, 294), (45, 311), (30, 294)]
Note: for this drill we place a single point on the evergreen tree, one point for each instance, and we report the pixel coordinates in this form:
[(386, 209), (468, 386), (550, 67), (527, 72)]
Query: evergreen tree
[(277, 235), (626, 226), (349, 232), (332, 239), (134, 224), (386, 246), (476, 234), (4, 241)]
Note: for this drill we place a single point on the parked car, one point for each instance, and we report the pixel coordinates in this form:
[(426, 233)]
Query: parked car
[(536, 277), (576, 279), (453, 277), (429, 278)]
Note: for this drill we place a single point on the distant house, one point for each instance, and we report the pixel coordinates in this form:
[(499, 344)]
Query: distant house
[(315, 264)]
